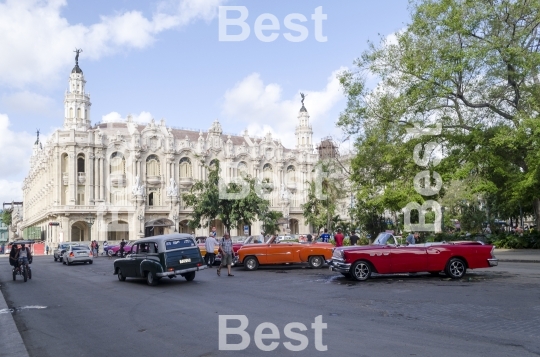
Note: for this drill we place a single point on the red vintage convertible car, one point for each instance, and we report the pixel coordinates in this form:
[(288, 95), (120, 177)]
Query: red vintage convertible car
[(386, 256)]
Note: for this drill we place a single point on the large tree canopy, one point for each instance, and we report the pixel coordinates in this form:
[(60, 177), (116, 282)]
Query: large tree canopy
[(470, 66), (211, 199)]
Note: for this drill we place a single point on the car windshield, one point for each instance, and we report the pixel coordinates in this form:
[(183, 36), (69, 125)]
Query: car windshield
[(80, 247), (384, 239), (179, 243), (253, 239)]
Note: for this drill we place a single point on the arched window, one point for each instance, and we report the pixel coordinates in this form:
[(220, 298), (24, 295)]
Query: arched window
[(267, 172), (117, 163), (78, 112), (185, 168), (154, 196), (152, 166), (291, 174), (86, 114), (242, 169), (71, 112), (80, 163)]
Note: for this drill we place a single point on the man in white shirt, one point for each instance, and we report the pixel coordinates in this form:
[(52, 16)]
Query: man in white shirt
[(210, 244)]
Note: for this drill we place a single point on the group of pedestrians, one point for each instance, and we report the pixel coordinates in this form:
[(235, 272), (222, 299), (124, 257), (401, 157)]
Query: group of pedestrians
[(225, 249), (339, 237), (95, 248)]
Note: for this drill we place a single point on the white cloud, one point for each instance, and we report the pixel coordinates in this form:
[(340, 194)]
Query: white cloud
[(15, 152), (28, 103), (115, 117), (36, 41), (10, 191), (252, 102)]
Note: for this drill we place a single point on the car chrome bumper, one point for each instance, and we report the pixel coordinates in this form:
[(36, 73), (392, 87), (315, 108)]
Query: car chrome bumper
[(80, 259), (493, 262), (338, 266), (180, 272)]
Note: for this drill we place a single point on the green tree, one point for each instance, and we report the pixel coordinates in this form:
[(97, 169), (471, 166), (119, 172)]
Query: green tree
[(204, 199), (5, 216), (471, 66), (270, 222)]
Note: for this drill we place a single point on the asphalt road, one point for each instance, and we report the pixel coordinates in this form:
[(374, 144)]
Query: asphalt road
[(88, 312)]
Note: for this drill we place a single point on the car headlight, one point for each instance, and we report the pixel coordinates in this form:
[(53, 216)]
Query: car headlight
[(338, 253)]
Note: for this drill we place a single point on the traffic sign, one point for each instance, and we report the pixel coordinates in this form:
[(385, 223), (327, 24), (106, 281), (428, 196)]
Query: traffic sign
[(54, 223)]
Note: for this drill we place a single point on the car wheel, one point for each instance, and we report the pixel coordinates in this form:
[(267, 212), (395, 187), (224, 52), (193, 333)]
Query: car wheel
[(361, 270), (25, 275), (455, 268), (315, 261), (91, 262), (190, 276), (29, 273), (61, 259), (14, 276), (110, 253), (121, 276), (151, 279), (251, 263)]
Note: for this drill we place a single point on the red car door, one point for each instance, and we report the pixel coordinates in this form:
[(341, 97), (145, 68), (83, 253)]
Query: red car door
[(409, 259)]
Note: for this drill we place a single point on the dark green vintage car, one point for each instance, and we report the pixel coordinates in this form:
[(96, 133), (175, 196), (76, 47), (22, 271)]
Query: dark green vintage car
[(155, 257)]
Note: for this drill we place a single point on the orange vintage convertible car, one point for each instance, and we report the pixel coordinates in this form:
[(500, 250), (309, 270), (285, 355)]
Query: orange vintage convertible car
[(274, 252)]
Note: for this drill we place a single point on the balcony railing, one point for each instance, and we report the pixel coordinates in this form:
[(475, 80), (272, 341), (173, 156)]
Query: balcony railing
[(118, 180), (153, 180)]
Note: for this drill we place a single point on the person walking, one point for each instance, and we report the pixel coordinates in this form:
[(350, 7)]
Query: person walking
[(226, 250), (47, 249), (338, 237), (354, 238), (97, 249), (121, 250), (325, 237), (210, 244)]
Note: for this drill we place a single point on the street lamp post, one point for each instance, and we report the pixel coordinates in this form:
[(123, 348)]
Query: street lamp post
[(90, 221)]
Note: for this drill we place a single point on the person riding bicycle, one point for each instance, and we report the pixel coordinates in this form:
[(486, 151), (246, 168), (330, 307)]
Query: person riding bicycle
[(13, 260), (24, 256)]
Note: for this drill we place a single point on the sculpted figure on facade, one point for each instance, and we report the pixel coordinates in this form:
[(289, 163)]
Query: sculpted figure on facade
[(138, 189), (172, 189)]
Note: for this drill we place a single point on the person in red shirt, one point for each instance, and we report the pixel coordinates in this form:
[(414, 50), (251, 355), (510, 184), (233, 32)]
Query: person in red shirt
[(339, 238)]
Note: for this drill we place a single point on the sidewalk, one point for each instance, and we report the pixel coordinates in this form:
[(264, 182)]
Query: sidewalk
[(11, 343), (518, 255)]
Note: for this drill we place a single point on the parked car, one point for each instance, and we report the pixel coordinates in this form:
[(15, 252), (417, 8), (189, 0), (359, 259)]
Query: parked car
[(276, 252), (78, 254), (58, 253), (161, 256), (113, 250), (386, 256)]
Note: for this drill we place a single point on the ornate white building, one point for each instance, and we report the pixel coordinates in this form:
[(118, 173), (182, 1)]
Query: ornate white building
[(124, 180)]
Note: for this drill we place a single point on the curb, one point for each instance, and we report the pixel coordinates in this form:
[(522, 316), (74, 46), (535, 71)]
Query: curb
[(11, 343), (518, 261)]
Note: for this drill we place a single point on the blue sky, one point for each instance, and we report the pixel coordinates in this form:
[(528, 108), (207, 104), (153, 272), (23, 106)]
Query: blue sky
[(163, 59)]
